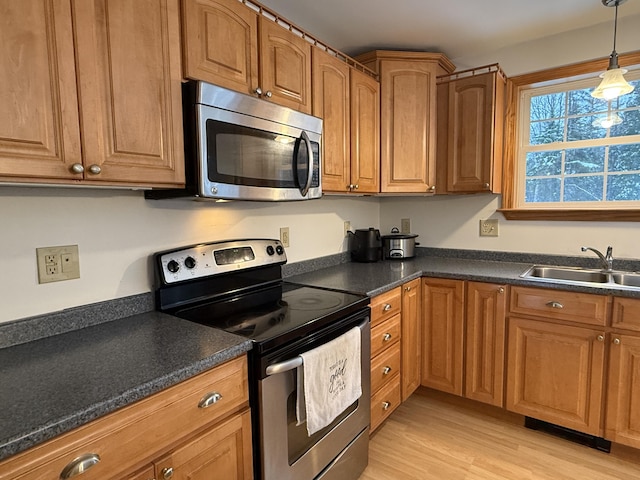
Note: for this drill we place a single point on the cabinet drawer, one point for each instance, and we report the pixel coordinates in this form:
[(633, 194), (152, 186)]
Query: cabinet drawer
[(626, 313), (130, 437), (385, 306), (385, 366), (384, 402), (560, 305), (384, 335)]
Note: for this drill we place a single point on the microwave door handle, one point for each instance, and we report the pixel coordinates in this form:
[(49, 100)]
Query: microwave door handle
[(306, 139)]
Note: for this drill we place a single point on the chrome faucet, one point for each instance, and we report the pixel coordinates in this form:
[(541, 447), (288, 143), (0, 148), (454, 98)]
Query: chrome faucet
[(607, 260)]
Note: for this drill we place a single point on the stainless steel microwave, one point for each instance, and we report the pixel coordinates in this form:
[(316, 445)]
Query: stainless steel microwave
[(239, 147)]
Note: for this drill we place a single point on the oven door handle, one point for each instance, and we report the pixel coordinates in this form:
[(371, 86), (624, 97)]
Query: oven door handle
[(296, 362), (285, 366)]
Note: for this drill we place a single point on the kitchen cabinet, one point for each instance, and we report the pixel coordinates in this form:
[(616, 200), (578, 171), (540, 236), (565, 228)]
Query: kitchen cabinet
[(267, 60), (556, 370), (622, 423), (443, 334), (411, 336), (340, 92), (199, 424), (386, 333), (408, 117), (486, 309), (470, 130), (103, 102)]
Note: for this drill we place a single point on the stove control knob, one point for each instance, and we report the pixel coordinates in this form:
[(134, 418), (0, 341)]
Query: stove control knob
[(189, 262), (173, 266), (279, 250), (270, 250)]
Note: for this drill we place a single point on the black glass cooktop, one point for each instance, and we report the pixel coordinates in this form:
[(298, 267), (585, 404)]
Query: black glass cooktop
[(277, 314)]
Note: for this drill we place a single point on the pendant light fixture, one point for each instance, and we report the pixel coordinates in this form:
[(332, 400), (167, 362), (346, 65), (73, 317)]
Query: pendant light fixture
[(613, 83)]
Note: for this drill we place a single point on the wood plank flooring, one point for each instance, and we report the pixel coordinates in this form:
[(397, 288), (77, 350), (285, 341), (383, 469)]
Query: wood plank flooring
[(442, 437)]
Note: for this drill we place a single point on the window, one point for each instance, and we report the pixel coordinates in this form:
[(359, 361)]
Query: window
[(569, 152)]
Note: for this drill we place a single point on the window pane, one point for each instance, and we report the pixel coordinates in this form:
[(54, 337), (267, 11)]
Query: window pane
[(630, 99), (583, 189), (582, 128), (544, 107), (544, 163), (624, 158), (546, 132), (584, 160), (630, 124), (542, 190), (581, 102), (623, 187)]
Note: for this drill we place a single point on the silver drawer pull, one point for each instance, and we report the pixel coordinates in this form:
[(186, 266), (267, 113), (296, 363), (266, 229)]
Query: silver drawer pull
[(387, 307), (209, 399), (386, 405), (386, 370), (555, 305), (80, 465), (386, 337)]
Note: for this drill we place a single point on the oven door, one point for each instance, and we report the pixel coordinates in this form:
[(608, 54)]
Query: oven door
[(248, 158), (340, 450)]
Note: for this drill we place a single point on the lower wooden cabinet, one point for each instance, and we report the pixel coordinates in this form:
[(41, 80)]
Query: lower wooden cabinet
[(556, 373), (411, 336), (169, 430)]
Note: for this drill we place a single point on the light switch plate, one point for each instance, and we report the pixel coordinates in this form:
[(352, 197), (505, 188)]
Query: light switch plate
[(58, 263)]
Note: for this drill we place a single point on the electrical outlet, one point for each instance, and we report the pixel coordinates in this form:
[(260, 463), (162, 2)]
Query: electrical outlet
[(284, 236), (58, 263), (405, 225), (489, 227), (347, 228)]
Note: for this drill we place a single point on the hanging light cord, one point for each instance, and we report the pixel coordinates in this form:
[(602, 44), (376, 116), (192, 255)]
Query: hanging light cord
[(615, 27)]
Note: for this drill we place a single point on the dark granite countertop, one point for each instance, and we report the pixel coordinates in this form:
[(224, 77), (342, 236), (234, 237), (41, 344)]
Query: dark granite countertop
[(52, 385)]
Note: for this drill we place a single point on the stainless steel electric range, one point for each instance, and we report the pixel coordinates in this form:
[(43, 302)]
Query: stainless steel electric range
[(237, 286)]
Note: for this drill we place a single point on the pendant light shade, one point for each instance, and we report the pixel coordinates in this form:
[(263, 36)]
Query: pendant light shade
[(613, 82), (607, 121)]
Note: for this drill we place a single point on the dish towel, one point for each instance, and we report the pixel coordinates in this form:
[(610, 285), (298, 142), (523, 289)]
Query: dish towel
[(330, 377)]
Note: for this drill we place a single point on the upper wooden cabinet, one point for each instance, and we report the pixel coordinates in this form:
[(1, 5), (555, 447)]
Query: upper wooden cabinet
[(228, 44), (470, 131), (117, 118), (408, 117)]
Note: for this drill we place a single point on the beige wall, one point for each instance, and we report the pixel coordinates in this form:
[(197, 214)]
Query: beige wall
[(117, 231)]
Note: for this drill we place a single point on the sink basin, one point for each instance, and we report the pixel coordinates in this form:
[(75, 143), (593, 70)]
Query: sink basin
[(626, 279), (567, 274)]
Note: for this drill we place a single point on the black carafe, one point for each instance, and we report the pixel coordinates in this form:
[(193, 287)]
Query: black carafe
[(365, 245)]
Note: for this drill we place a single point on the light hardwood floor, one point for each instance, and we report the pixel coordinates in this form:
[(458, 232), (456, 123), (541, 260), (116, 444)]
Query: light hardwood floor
[(438, 436)]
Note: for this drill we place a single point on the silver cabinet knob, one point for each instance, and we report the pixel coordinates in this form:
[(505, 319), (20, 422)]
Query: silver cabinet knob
[(501, 290), (486, 185), (268, 94), (258, 91), (386, 370), (356, 186), (386, 337), (407, 289), (555, 305), (77, 168), (431, 188), (386, 307), (386, 405), (616, 341), (600, 338), (209, 399), (95, 169), (350, 186), (167, 473), (79, 465)]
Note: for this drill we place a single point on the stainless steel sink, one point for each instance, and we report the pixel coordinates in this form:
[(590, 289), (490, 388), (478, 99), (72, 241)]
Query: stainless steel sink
[(583, 276)]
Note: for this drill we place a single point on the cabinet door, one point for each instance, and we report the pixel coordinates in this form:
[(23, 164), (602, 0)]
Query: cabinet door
[(222, 452), (365, 133), (411, 336), (129, 74), (623, 395), (285, 66), (472, 144), (556, 373), (408, 118), (485, 342), (39, 127), (331, 102), (442, 347), (220, 43)]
